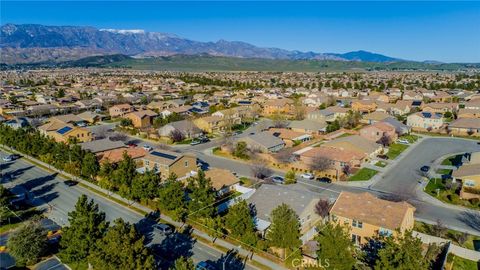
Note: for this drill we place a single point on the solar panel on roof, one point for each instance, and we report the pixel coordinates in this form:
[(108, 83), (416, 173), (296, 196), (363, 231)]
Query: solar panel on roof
[(163, 155), (427, 114), (64, 130)]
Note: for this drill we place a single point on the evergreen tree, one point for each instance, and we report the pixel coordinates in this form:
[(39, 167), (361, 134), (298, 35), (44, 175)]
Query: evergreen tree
[(145, 186), (202, 196), (335, 245), (171, 197), (239, 222), (402, 253), (28, 244), (183, 263), (284, 232), (87, 225), (121, 248), (90, 166)]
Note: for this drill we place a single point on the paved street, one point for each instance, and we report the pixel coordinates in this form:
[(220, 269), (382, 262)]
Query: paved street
[(48, 192)]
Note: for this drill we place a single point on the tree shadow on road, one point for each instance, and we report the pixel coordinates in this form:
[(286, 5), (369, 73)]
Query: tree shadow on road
[(471, 218), (176, 245), (231, 260), (16, 173), (36, 182)]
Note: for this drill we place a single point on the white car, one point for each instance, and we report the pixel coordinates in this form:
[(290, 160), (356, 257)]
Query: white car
[(403, 141), (307, 176), (147, 148)]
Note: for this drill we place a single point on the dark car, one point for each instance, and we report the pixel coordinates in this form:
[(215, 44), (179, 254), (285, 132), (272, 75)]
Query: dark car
[(205, 265), (204, 140), (324, 179), (70, 183), (163, 228), (425, 168)]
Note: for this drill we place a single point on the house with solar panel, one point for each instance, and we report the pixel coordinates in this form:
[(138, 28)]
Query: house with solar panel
[(62, 131), (425, 121), (167, 162)]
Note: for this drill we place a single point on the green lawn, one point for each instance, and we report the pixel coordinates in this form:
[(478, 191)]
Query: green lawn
[(410, 138), (460, 263), (395, 150), (448, 195), (381, 164), (444, 171), (363, 174), (453, 160)]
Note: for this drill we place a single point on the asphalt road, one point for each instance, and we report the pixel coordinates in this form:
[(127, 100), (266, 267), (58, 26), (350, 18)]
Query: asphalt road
[(47, 191)]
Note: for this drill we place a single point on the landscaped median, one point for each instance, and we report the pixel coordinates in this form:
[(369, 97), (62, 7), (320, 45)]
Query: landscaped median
[(447, 191), (363, 174)]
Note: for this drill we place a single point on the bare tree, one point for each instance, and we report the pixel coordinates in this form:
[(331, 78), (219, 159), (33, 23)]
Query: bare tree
[(347, 169), (385, 140), (261, 171), (321, 164), (101, 132), (176, 135), (439, 229), (322, 208), (118, 136), (284, 156)]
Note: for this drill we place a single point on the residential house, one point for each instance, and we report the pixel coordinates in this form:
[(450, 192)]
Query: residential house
[(468, 113), (308, 126), (412, 95), (290, 137), (356, 143), (167, 162), (374, 117), (425, 121), (212, 124), (376, 131), (280, 106), (465, 127), (473, 104), (99, 146), (141, 119), (440, 107), (17, 122), (181, 110), (223, 181), (364, 106), (402, 107), (116, 155), (61, 132), (90, 117), (400, 127), (263, 142), (186, 127), (268, 197), (120, 110), (368, 217), (468, 174)]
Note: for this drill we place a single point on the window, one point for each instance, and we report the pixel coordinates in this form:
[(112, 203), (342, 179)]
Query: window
[(356, 239), (356, 223), (186, 163), (385, 232), (469, 183), (147, 162)]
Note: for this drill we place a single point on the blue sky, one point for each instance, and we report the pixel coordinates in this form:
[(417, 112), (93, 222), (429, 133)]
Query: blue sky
[(443, 31)]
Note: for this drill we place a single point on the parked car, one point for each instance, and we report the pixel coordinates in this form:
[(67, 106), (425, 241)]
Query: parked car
[(10, 158), (70, 183), (131, 144), (238, 132), (204, 140), (278, 179), (403, 141), (425, 168), (195, 142), (163, 228), (324, 179), (307, 176), (147, 147), (205, 265)]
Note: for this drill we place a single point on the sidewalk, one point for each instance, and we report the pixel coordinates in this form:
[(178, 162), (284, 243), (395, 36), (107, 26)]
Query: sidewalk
[(107, 194)]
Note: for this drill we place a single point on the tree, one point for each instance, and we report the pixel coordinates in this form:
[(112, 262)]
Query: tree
[(176, 135), (145, 186), (439, 229), (401, 253), (202, 196), (239, 222), (121, 248), (261, 170), (322, 208), (336, 247), (290, 178), (385, 140), (28, 243), (125, 122), (241, 150), (284, 231), (214, 227), (90, 166), (5, 213), (183, 263), (124, 174), (87, 225), (320, 163), (171, 197)]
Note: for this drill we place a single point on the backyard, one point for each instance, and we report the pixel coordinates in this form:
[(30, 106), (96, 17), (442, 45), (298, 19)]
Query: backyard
[(363, 174)]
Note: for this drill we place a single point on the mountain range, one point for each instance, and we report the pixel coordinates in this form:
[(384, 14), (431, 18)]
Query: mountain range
[(34, 43)]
